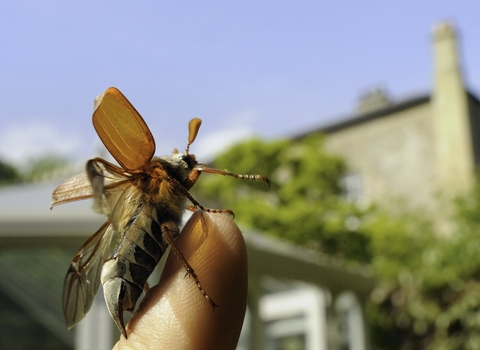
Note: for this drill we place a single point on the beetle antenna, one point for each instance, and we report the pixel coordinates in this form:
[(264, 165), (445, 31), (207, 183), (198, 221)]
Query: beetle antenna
[(193, 127)]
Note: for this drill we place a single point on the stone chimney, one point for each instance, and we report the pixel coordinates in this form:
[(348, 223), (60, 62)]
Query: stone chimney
[(373, 100), (453, 137)]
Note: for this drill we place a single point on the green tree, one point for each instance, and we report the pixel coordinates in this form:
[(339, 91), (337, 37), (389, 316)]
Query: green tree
[(45, 167), (303, 203), (429, 291), (8, 174)]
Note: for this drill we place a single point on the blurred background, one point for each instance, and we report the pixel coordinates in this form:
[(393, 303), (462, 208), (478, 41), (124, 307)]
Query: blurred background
[(365, 116)]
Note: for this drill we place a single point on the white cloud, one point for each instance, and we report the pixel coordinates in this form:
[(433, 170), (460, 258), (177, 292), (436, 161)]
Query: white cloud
[(20, 143)]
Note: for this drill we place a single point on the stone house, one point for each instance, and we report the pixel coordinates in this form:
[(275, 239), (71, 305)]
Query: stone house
[(415, 149)]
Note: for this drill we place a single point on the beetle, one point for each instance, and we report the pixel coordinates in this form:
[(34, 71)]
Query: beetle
[(144, 200)]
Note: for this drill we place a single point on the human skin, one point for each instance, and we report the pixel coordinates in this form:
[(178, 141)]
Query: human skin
[(174, 314)]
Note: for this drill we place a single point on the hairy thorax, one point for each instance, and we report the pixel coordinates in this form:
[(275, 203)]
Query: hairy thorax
[(158, 185)]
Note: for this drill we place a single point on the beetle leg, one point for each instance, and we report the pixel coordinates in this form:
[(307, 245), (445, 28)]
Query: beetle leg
[(177, 185), (169, 239)]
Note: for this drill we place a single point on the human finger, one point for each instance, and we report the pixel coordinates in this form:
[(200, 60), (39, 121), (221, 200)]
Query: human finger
[(175, 314)]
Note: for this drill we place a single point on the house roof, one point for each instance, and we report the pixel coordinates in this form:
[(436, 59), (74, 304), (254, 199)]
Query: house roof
[(26, 218), (355, 119)]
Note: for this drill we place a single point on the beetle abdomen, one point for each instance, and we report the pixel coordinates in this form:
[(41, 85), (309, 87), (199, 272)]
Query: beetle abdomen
[(137, 254)]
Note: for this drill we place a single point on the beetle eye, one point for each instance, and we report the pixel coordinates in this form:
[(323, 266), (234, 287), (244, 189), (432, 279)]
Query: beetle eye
[(189, 159)]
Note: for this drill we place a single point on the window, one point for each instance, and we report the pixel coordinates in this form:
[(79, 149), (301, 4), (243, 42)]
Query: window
[(350, 322), (295, 319), (352, 186)]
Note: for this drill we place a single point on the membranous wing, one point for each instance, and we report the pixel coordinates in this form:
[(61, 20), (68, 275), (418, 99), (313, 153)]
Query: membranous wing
[(76, 188), (116, 196), (115, 192), (83, 276)]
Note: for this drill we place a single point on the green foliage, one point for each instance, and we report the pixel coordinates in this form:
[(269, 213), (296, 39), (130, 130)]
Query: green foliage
[(38, 169), (45, 167), (429, 294), (8, 174), (302, 204)]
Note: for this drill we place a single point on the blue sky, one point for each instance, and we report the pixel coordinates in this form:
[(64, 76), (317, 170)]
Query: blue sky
[(267, 68)]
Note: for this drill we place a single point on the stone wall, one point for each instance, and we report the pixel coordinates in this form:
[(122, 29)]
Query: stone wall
[(393, 154)]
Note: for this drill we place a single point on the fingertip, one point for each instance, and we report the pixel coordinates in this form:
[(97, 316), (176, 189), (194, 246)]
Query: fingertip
[(175, 314)]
